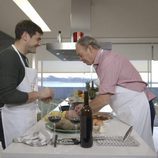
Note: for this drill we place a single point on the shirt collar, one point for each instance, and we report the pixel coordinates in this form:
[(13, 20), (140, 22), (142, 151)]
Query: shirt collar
[(97, 58)]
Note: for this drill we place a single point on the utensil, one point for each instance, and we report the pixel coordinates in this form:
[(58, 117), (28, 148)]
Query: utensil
[(55, 140), (121, 138), (68, 141), (127, 134)]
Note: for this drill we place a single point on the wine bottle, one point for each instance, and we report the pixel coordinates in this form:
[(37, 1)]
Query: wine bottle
[(87, 86), (86, 139)]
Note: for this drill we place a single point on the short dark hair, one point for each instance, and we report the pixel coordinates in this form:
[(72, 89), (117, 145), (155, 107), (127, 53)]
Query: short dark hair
[(26, 26), (87, 40)]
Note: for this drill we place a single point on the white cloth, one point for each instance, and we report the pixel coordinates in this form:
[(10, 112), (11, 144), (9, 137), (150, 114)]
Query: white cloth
[(37, 138), (133, 108), (17, 119)]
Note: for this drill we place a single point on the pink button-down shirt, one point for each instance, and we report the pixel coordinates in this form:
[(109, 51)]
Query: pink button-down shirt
[(115, 70)]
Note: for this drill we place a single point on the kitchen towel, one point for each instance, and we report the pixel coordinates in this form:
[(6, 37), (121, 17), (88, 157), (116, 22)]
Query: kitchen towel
[(37, 138)]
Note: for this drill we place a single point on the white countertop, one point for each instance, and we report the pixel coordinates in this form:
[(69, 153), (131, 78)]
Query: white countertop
[(111, 128)]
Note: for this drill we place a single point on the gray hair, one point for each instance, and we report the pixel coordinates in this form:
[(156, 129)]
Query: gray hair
[(87, 40)]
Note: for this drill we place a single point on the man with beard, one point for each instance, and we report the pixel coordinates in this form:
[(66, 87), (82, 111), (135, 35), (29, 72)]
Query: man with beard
[(18, 83)]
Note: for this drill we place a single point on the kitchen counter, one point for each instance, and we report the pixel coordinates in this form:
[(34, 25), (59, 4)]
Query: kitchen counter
[(111, 128)]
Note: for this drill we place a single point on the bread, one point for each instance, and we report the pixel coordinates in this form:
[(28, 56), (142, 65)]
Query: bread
[(66, 124)]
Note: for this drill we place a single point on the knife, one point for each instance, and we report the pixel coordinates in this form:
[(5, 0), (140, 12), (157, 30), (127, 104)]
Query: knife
[(127, 134)]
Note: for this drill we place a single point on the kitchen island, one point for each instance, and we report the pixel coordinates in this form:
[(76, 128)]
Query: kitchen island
[(111, 127)]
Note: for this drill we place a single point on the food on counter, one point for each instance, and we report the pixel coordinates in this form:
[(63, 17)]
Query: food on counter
[(102, 116), (63, 123), (78, 96), (97, 122), (96, 128), (80, 93), (99, 117), (66, 124)]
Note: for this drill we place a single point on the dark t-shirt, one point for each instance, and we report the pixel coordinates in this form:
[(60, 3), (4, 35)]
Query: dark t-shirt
[(12, 73)]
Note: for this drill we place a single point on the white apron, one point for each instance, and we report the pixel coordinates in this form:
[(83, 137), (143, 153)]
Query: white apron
[(132, 107), (18, 119)]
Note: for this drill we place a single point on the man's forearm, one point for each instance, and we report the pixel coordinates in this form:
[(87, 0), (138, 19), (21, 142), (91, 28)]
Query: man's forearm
[(44, 94), (99, 102)]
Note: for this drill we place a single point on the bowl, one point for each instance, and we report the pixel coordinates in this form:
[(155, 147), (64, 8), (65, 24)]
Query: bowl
[(64, 107)]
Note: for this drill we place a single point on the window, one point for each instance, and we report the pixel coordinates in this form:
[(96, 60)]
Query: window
[(64, 80)]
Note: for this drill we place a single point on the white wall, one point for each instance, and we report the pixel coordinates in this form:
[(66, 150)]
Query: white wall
[(124, 18)]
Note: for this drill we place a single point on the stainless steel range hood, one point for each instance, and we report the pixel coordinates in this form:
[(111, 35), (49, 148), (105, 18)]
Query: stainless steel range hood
[(66, 50), (80, 22)]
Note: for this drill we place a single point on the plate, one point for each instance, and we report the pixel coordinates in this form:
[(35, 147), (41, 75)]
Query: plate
[(49, 126)]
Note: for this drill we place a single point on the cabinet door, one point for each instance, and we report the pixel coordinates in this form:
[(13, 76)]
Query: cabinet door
[(155, 52), (134, 51)]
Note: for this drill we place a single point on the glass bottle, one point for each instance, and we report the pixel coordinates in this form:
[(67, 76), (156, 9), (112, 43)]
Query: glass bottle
[(86, 124), (59, 38), (92, 91)]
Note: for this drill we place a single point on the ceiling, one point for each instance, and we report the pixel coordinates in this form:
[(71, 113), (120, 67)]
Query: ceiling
[(110, 19), (57, 14), (50, 10)]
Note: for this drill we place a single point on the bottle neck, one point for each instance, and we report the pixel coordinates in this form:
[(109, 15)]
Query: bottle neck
[(86, 98), (92, 85), (59, 37)]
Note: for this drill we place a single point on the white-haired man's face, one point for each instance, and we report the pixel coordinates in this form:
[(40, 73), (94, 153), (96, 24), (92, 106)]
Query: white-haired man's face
[(86, 55)]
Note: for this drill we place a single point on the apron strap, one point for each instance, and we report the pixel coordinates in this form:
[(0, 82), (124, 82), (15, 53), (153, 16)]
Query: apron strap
[(18, 54), (2, 140)]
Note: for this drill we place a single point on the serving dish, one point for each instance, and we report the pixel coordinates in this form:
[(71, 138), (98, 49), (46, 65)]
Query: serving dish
[(49, 125)]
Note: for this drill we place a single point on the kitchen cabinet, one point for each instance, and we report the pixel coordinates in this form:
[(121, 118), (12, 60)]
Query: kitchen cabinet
[(155, 52), (134, 51)]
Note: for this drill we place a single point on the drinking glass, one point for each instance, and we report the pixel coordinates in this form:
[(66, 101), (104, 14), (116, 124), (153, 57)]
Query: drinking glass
[(54, 117), (74, 117), (34, 87)]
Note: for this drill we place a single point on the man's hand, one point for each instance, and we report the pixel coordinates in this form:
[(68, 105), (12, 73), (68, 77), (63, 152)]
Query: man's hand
[(71, 114), (78, 108), (46, 94)]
